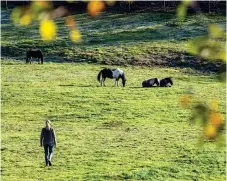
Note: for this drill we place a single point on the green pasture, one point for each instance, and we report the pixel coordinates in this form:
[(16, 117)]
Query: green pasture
[(107, 133)]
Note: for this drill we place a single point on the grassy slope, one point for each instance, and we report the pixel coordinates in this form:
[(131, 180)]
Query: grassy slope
[(137, 38), (104, 133)]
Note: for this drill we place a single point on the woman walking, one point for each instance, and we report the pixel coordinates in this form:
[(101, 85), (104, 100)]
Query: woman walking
[(48, 140)]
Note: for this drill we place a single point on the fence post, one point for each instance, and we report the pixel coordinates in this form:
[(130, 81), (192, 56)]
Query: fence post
[(209, 6)]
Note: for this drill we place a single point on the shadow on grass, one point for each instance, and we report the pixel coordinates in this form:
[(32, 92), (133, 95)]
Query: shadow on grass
[(143, 87)]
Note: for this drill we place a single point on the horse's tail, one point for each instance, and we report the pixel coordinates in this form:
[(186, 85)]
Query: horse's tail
[(99, 76), (27, 56)]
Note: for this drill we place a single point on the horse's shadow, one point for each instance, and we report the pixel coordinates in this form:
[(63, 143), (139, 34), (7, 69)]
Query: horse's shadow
[(143, 87), (95, 86), (88, 86)]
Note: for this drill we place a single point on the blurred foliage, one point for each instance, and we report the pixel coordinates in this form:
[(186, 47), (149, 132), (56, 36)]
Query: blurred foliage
[(110, 3), (48, 29), (211, 47), (75, 35), (94, 8), (207, 115), (44, 12), (182, 10)]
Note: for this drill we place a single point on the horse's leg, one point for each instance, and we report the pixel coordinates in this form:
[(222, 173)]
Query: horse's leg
[(27, 59), (104, 82), (101, 81), (30, 60)]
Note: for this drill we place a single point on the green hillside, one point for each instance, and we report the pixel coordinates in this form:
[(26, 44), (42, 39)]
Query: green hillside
[(119, 39)]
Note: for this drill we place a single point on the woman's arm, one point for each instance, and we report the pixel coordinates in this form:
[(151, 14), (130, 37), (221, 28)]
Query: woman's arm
[(54, 136), (41, 137)]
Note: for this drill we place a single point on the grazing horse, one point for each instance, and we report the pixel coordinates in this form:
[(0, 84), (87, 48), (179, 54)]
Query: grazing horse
[(164, 82), (34, 54), (112, 74), (151, 82)]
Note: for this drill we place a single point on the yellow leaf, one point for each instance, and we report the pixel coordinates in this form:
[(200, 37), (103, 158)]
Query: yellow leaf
[(26, 19), (94, 8), (47, 30), (210, 132), (75, 35)]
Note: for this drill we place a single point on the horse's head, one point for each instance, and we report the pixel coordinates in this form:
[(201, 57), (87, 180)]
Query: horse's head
[(169, 80), (123, 79)]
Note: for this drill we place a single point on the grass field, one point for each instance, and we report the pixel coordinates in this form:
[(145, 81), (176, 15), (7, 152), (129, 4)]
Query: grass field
[(105, 133)]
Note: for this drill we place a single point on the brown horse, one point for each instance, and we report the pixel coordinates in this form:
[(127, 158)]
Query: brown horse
[(34, 54)]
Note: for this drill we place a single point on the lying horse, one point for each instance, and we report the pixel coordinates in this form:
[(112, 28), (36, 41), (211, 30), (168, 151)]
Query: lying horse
[(34, 54), (164, 82), (112, 74), (151, 82)]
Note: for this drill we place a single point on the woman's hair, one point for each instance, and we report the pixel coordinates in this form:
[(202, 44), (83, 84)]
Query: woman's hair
[(48, 124)]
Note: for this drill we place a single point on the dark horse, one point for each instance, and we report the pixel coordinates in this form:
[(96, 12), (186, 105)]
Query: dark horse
[(159, 83), (164, 82), (112, 74), (34, 54), (151, 82)]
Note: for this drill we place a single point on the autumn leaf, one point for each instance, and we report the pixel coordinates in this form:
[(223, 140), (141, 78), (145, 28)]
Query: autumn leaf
[(210, 132), (94, 8), (25, 19), (70, 23), (75, 35), (47, 30), (216, 119)]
